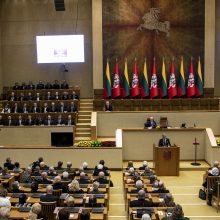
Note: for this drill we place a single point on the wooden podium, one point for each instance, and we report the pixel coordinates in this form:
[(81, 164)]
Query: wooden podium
[(166, 160)]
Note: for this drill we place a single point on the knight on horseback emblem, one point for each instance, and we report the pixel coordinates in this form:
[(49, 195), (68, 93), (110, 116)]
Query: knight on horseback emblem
[(151, 22)]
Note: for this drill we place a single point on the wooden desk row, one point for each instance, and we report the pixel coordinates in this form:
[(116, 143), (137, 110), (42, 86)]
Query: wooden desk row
[(16, 214)]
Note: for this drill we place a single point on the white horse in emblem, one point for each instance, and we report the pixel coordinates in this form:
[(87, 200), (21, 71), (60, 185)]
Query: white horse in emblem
[(151, 22)]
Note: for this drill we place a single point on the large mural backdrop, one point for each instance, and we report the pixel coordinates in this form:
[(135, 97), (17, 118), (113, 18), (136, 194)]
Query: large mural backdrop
[(147, 28)]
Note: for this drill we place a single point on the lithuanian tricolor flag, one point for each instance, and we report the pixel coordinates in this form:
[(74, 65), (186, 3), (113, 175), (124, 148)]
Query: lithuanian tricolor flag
[(107, 82)]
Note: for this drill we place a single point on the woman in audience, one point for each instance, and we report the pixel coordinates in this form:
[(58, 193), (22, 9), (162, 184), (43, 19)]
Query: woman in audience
[(177, 214), (17, 168), (167, 201), (36, 213), (74, 188)]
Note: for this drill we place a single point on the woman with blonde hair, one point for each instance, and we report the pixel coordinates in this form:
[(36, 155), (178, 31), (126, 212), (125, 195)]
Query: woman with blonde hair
[(35, 212), (74, 188)]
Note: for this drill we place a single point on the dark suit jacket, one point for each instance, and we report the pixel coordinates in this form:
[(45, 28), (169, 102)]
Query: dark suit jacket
[(61, 123), (2, 122), (48, 198), (108, 108), (37, 110), (141, 203), (83, 181), (56, 86), (51, 122), (48, 86), (164, 143), (30, 86), (40, 86), (64, 86), (150, 124), (101, 181), (64, 109), (18, 124), (59, 186), (32, 122)]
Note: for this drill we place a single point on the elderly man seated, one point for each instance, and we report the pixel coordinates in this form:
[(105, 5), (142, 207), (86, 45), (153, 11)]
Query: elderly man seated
[(141, 201), (48, 197)]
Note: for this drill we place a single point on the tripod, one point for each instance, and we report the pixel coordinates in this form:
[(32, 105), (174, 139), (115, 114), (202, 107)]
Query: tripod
[(195, 163)]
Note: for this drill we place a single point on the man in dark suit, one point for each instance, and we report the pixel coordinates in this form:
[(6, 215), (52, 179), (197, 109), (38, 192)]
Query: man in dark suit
[(2, 122), (16, 86), (40, 85), (69, 121), (83, 178), (25, 109), (53, 108), (20, 121), (74, 96), (139, 185), (59, 121), (49, 197), (150, 123), (72, 107), (12, 97), (65, 96), (56, 96), (30, 121), (141, 202), (108, 107), (62, 108), (15, 109), (9, 122), (22, 97), (29, 97), (37, 97), (56, 85), (101, 179), (164, 141), (45, 109), (23, 86), (48, 121), (64, 85), (35, 108), (48, 96), (48, 86), (30, 85)]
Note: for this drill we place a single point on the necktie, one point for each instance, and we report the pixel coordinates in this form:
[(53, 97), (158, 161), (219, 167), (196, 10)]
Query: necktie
[(48, 122)]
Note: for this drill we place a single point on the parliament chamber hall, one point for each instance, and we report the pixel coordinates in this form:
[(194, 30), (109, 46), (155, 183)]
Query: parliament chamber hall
[(109, 110)]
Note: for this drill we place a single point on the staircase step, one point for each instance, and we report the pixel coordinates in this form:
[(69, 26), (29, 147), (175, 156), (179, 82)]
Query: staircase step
[(83, 125), (84, 120), (86, 103), (83, 134), (86, 109), (84, 117), (84, 113), (83, 129)]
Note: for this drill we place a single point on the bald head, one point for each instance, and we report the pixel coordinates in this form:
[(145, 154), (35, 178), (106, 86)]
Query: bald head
[(141, 194)]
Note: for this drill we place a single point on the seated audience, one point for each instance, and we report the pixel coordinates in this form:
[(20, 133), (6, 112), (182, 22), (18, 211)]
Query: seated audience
[(64, 84), (65, 176), (52, 172), (147, 172), (24, 108), (85, 166), (29, 97), (12, 97), (30, 121), (26, 176), (176, 214), (2, 121), (37, 171), (74, 96), (5, 213), (150, 123), (23, 86), (153, 179), (17, 168), (4, 201), (145, 217), (214, 171), (43, 166), (101, 178), (53, 107), (9, 121), (34, 187), (59, 166), (83, 178), (48, 197), (65, 96), (48, 85), (37, 163), (15, 187), (164, 141), (59, 121), (70, 201), (36, 212), (108, 107), (168, 201), (72, 107), (6, 109), (16, 86), (145, 164), (40, 85), (102, 162), (20, 121), (35, 108), (8, 164), (69, 121), (95, 189), (57, 96), (99, 169), (63, 214), (22, 200), (92, 202), (49, 121), (56, 85), (139, 185), (74, 188), (69, 168), (130, 164), (15, 109), (48, 96), (141, 201), (22, 97), (85, 215), (161, 188), (44, 179), (45, 108), (62, 107), (58, 185), (30, 85)]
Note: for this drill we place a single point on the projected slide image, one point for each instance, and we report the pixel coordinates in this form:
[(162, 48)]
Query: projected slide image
[(60, 49)]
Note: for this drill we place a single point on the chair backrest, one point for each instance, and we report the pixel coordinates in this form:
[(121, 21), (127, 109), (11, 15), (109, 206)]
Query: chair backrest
[(48, 209), (211, 180), (163, 122), (57, 192)]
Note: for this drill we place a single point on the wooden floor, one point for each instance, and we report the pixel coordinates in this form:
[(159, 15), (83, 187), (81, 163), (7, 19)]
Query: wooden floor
[(184, 188)]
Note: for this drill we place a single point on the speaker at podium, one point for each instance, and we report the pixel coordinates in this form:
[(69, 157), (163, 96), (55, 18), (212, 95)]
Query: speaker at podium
[(166, 160)]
